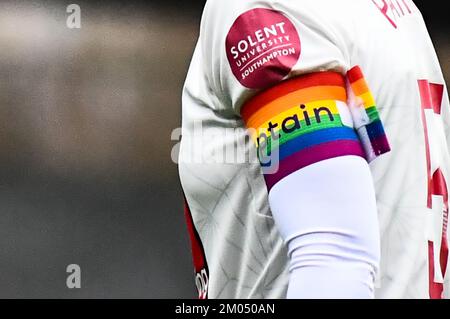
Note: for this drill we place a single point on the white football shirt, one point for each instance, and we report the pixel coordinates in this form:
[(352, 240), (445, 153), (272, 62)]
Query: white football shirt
[(246, 47)]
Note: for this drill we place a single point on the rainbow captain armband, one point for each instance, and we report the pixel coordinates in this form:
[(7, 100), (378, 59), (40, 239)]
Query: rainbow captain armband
[(306, 120), (365, 116), (300, 122)]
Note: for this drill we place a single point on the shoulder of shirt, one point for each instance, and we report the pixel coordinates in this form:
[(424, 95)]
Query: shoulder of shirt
[(329, 18), (325, 16)]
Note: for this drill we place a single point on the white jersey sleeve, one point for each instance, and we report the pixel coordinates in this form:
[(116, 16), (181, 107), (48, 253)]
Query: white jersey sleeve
[(250, 46)]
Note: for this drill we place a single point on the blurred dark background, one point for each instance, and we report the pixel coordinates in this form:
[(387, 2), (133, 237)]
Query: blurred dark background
[(86, 175)]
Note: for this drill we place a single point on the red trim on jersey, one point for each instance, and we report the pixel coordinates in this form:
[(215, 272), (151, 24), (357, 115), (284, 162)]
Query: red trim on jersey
[(289, 86), (437, 93), (198, 254)]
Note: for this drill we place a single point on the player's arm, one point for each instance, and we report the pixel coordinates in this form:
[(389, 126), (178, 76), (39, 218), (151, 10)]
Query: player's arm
[(320, 188), (313, 146), (315, 134)]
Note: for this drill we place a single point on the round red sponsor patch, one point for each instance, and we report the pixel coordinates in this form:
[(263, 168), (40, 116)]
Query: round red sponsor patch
[(262, 47)]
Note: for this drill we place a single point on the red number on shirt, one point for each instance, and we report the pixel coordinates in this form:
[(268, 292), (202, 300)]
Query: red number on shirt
[(431, 96)]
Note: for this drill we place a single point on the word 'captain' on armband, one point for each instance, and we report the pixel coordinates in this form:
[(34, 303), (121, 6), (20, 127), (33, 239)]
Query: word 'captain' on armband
[(299, 122)]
